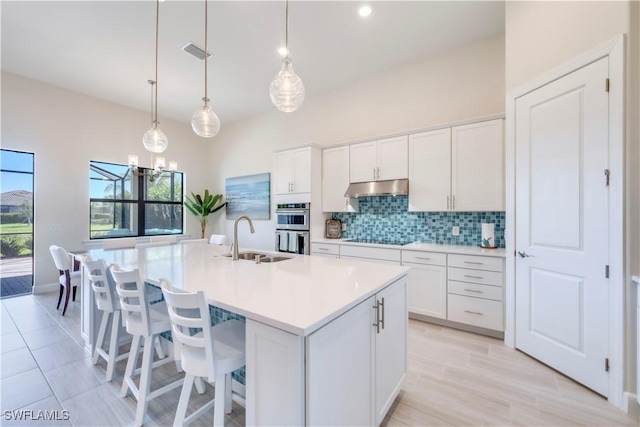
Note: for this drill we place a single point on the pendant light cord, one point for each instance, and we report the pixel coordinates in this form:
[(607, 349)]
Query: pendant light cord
[(286, 31), (206, 51), (155, 106)]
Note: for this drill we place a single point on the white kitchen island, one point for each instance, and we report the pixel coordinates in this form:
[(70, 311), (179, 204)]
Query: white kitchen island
[(326, 338)]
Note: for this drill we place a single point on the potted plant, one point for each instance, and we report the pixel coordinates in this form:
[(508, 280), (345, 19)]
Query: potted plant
[(203, 206)]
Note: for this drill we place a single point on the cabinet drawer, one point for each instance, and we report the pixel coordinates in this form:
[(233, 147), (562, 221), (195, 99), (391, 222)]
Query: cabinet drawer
[(475, 290), (492, 278), (371, 253), (325, 249), (429, 258), (475, 262), (475, 311)]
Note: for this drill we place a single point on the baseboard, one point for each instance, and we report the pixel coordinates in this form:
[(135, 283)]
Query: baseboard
[(456, 325), (631, 405), (46, 288)]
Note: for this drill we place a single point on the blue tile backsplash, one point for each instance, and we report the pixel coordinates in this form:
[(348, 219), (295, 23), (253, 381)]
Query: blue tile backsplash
[(388, 218)]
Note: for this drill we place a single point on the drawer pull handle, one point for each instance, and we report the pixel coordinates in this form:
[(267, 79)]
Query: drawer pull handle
[(474, 312), (473, 290), (323, 249), (473, 277), (473, 262), (423, 257)]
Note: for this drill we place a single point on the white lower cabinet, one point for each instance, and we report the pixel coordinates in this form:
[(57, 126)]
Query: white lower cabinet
[(475, 291), (368, 362), (427, 284), (328, 250)]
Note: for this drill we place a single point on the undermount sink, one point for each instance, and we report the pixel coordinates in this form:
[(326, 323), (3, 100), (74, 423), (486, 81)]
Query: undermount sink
[(249, 255), (274, 258)]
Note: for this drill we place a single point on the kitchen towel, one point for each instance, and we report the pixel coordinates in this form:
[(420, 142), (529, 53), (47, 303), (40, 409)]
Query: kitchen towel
[(284, 241), (293, 241), (488, 238)]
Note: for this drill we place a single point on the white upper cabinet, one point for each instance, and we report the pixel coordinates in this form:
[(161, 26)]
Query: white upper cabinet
[(293, 171), (379, 160), (477, 173), (430, 171), (457, 169), (335, 180)]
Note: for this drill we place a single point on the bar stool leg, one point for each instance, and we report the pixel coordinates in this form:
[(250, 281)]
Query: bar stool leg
[(200, 385), (218, 408), (131, 365), (114, 343), (145, 380), (183, 403), (100, 339), (227, 393)]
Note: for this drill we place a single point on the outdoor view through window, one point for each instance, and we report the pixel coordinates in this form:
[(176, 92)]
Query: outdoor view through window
[(133, 202)]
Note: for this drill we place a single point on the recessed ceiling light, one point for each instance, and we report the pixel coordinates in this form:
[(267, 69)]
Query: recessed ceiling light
[(283, 51), (364, 11)]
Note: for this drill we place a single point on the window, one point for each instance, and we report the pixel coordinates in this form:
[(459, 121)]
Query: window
[(123, 203)]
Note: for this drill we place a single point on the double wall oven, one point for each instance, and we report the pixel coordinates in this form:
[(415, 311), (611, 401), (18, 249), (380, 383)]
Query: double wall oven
[(292, 228)]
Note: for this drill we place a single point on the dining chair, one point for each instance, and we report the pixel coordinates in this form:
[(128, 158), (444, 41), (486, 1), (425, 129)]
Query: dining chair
[(218, 239), (145, 322), (106, 300), (166, 239), (68, 278), (122, 242), (208, 352), (191, 241)]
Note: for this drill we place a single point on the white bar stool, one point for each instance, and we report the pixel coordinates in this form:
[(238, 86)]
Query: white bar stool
[(213, 353), (142, 321), (106, 301)]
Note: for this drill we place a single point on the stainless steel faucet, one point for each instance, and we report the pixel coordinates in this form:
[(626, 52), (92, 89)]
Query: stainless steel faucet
[(235, 234)]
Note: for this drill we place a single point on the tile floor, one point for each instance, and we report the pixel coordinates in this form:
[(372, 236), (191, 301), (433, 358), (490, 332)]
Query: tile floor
[(455, 378)]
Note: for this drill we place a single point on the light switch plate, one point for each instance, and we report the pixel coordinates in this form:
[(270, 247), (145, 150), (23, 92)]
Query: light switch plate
[(455, 230), (344, 227)]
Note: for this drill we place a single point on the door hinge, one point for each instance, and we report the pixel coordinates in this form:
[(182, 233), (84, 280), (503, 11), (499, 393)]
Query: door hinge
[(606, 364), (607, 174), (606, 85), (606, 271)]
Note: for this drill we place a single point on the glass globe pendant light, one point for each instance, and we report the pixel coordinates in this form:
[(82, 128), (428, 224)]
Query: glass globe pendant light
[(286, 89), (154, 139), (205, 121)]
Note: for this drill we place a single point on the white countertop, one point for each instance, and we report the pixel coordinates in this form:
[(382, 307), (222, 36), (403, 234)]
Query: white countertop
[(430, 247), (299, 295)]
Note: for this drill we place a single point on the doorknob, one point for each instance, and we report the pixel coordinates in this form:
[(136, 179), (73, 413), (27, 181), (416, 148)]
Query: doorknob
[(523, 254)]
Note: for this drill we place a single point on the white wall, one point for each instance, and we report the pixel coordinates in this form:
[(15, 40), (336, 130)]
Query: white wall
[(457, 85), (66, 130), (541, 36)]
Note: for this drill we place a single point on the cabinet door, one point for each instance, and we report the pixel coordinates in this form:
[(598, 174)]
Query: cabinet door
[(393, 158), (363, 161), (301, 170), (343, 348), (427, 290), (430, 171), (477, 182), (283, 176), (391, 348), (335, 180)]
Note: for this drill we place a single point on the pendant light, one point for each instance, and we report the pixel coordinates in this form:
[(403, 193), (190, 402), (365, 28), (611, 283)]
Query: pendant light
[(286, 89), (205, 121), (155, 140)]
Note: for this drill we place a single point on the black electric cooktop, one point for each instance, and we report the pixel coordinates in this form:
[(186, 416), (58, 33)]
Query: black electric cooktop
[(398, 242)]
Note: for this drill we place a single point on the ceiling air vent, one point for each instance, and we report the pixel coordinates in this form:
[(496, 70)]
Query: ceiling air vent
[(195, 50)]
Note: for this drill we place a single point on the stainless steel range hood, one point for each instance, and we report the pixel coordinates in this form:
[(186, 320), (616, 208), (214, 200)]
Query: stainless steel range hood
[(394, 187)]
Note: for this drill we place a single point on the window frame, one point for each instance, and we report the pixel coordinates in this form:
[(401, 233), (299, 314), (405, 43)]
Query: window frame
[(141, 178)]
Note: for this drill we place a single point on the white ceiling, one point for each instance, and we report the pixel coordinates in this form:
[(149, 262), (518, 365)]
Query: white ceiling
[(106, 49)]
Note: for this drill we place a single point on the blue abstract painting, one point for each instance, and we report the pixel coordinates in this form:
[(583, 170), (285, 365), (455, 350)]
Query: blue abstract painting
[(249, 195)]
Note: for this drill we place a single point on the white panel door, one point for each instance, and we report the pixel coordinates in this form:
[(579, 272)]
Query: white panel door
[(427, 290), (363, 161), (283, 176), (430, 171), (393, 158), (391, 347), (301, 170), (561, 225), (335, 180), (477, 160)]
